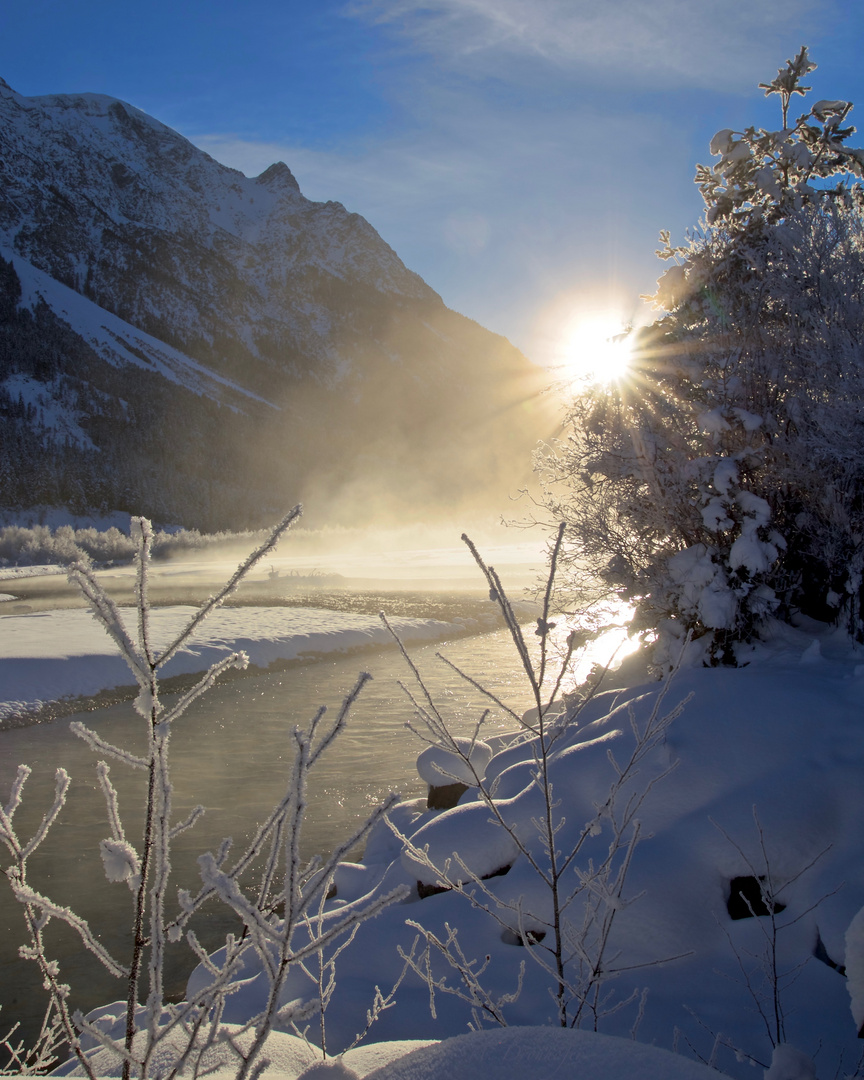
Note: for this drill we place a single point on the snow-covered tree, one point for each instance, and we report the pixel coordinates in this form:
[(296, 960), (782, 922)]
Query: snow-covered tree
[(722, 481)]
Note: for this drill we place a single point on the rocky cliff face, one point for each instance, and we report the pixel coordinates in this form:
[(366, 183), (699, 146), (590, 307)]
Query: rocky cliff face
[(222, 343)]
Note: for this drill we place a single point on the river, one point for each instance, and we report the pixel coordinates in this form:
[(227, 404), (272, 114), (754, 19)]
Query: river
[(231, 752)]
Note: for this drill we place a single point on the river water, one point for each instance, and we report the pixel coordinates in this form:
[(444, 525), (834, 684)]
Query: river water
[(232, 753)]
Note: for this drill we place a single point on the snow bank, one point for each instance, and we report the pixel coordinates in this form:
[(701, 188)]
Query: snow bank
[(855, 967), (506, 1054), (767, 784), (541, 1054), (56, 655), (788, 1063), (11, 573), (290, 1057)]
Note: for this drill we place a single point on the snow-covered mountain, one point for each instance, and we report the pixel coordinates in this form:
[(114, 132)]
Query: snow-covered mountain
[(203, 345)]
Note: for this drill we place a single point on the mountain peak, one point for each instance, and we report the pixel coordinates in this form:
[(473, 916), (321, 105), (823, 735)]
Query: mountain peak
[(253, 345), (278, 176)]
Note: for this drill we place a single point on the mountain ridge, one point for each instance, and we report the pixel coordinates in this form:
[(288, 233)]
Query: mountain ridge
[(253, 286)]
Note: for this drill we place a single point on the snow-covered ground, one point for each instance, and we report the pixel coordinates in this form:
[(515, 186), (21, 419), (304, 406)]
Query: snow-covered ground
[(17, 573), (56, 655), (767, 783), (504, 1054)]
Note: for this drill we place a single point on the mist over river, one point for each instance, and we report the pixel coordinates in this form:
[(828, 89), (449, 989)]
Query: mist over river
[(231, 752)]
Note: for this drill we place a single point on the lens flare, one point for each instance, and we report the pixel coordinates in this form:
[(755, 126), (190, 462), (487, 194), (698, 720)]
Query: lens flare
[(596, 351)]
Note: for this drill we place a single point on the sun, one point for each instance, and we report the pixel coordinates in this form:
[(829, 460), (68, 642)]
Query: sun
[(596, 350)]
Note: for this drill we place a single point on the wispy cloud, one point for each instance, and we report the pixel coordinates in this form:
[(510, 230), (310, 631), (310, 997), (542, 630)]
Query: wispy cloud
[(702, 43), (533, 162)]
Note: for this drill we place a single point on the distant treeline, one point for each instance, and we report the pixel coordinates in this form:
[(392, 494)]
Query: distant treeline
[(40, 545), (149, 446)]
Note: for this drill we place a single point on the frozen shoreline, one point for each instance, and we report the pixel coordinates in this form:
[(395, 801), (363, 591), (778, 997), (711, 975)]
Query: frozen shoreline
[(786, 721), (65, 656)]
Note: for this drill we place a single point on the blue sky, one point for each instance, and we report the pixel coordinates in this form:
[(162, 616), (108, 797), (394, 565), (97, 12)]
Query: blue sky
[(521, 155)]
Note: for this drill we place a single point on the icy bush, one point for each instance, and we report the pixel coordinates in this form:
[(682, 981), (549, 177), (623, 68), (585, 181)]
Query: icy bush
[(40, 545), (559, 872), (722, 481), (279, 908)]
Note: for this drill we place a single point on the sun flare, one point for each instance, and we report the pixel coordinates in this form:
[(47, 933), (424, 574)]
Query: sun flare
[(596, 351)]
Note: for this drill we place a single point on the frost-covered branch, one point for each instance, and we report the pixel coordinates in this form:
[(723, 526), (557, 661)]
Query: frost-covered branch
[(239, 574), (99, 744), (57, 1020), (281, 943), (484, 1006), (567, 933)]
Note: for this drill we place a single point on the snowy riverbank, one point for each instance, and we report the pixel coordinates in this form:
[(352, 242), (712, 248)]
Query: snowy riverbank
[(64, 655), (768, 760), (766, 785)]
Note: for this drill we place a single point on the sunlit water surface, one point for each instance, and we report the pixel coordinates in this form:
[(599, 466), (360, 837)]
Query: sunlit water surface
[(232, 753)]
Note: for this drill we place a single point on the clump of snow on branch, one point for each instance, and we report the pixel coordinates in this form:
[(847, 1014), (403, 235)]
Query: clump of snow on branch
[(721, 484)]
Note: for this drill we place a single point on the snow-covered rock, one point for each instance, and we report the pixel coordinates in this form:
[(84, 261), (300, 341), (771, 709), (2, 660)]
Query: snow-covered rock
[(789, 1063), (464, 764)]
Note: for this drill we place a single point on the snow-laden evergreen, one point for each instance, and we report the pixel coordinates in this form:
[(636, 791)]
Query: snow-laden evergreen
[(721, 481)]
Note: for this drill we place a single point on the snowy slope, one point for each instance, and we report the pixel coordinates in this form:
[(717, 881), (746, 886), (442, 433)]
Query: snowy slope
[(767, 783), (119, 166), (149, 286), (118, 342), (111, 202)]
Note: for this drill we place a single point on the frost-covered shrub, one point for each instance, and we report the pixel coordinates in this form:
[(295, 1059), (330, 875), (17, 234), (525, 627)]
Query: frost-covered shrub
[(40, 545), (277, 896), (559, 858), (723, 480)]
